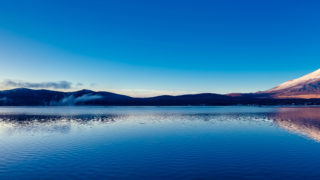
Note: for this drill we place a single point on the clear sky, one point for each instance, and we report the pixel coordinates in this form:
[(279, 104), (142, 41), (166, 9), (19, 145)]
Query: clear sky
[(146, 47)]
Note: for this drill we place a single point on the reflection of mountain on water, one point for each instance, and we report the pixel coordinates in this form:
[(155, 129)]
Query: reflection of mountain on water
[(56, 120), (305, 121), (29, 118), (12, 123)]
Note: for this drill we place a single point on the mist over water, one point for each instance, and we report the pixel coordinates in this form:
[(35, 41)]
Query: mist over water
[(236, 142)]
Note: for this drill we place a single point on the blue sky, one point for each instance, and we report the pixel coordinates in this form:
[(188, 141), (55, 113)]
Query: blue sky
[(145, 48)]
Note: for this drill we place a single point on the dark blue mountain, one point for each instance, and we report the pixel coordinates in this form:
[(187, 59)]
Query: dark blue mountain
[(30, 97)]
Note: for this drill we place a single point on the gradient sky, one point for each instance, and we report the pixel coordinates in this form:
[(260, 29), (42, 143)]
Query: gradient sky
[(145, 48)]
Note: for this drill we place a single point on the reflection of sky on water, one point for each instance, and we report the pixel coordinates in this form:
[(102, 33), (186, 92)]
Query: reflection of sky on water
[(158, 143)]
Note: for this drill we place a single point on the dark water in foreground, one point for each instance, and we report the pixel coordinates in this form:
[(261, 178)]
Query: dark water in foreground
[(159, 143)]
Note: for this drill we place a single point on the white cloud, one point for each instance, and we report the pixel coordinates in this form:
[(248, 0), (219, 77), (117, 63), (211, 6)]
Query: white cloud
[(6, 84)]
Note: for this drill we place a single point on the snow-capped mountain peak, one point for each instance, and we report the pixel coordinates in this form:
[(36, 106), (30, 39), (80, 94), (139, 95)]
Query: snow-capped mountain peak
[(307, 86), (298, 83)]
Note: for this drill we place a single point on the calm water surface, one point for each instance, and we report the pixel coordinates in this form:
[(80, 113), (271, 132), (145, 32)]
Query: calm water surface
[(159, 143)]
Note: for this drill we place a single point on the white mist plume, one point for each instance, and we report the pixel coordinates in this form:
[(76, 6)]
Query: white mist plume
[(72, 100)]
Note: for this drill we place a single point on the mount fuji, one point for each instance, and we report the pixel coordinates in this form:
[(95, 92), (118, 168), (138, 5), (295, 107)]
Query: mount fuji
[(305, 87)]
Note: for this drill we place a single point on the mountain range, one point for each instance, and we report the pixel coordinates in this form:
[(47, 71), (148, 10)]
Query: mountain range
[(301, 91)]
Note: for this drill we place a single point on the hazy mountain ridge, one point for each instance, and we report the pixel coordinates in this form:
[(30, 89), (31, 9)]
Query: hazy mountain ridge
[(29, 97)]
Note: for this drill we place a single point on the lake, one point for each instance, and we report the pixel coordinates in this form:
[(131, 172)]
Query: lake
[(236, 142)]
